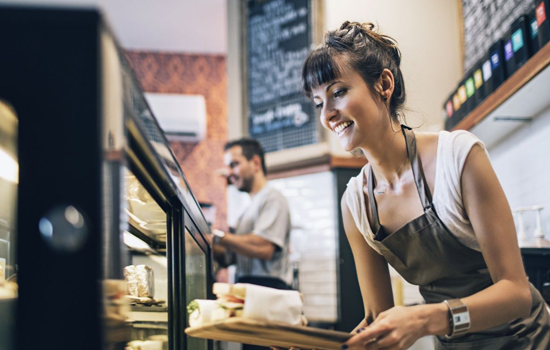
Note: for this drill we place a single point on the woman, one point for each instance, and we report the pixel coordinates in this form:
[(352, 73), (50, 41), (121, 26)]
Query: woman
[(429, 204)]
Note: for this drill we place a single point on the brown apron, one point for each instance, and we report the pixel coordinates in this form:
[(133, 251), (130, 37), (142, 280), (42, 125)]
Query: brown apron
[(427, 254)]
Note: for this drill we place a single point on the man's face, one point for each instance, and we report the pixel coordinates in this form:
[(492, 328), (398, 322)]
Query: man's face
[(240, 170)]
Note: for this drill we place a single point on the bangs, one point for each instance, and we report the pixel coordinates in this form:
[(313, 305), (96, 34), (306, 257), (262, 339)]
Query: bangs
[(319, 68)]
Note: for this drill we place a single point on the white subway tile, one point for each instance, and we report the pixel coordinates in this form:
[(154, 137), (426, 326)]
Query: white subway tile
[(317, 288), (320, 300), (522, 164)]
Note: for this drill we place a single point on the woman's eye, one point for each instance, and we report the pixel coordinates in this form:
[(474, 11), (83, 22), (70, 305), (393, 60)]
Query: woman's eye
[(318, 105), (339, 93)]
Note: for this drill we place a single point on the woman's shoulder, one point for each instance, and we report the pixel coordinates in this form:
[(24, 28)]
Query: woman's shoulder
[(353, 191), (357, 180), (427, 139), (446, 141), (458, 138), (426, 143)]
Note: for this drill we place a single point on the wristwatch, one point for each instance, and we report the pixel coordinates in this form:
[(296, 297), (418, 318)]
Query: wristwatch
[(218, 236), (459, 318)]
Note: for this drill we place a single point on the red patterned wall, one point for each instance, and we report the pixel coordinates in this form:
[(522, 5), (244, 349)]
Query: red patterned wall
[(198, 75)]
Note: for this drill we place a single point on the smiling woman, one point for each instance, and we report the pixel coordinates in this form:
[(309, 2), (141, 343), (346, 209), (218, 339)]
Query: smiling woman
[(362, 81), (428, 204)]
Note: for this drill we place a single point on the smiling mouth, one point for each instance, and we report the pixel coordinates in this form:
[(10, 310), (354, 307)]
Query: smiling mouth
[(342, 127)]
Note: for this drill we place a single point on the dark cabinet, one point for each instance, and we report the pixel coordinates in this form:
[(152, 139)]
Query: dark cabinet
[(537, 266)]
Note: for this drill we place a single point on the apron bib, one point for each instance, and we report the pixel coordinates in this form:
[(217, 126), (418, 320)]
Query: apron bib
[(427, 254)]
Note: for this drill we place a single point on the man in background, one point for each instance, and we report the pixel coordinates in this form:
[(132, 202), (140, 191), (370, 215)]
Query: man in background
[(260, 244)]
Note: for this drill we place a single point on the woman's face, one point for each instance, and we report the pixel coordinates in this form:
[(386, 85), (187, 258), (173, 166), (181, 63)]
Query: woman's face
[(347, 107)]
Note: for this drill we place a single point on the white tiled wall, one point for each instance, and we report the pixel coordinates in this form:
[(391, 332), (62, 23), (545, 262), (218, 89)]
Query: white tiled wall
[(522, 164), (314, 240)]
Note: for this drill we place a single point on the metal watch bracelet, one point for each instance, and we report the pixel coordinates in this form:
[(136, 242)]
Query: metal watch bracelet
[(459, 318), (218, 235)]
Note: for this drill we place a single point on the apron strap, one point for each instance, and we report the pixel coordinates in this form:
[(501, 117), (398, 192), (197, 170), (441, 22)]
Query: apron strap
[(418, 173), (372, 202), (416, 164)]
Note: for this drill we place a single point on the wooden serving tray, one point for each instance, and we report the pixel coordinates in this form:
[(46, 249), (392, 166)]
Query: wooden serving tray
[(249, 331)]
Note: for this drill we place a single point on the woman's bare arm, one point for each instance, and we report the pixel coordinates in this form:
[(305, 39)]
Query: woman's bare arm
[(489, 212), (507, 299), (372, 270)]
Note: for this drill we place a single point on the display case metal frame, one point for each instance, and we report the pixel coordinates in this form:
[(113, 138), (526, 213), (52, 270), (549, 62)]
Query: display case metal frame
[(72, 152)]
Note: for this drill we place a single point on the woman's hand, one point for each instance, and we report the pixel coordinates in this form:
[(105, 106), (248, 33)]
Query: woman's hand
[(396, 328)]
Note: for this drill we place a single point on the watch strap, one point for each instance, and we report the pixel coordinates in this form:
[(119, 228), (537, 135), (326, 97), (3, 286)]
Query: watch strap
[(459, 318), (218, 235)]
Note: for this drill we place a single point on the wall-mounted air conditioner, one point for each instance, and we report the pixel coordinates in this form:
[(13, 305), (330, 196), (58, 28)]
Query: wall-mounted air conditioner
[(182, 117)]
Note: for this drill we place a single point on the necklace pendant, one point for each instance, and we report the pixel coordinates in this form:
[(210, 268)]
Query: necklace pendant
[(380, 192)]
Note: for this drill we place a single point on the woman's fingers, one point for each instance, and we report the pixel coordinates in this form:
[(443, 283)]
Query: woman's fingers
[(366, 337), (365, 345), (391, 341)]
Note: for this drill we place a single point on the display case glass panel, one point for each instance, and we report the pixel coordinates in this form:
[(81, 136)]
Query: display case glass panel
[(195, 281), (9, 178), (89, 184), (146, 275)]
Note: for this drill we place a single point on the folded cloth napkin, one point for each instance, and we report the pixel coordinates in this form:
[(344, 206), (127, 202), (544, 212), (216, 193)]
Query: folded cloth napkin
[(248, 301), (274, 305)]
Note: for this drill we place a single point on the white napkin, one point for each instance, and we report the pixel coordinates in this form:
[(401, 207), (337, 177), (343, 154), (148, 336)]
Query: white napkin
[(268, 304), (204, 313)]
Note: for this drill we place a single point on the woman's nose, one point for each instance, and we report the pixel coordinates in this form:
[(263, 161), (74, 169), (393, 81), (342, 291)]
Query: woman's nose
[(328, 112)]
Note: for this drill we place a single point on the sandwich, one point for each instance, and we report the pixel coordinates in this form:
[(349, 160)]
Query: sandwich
[(248, 301)]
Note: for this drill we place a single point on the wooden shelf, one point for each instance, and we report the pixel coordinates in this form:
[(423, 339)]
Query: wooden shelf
[(516, 102)]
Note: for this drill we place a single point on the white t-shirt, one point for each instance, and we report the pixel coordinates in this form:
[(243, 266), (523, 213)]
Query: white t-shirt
[(268, 216), (452, 150)]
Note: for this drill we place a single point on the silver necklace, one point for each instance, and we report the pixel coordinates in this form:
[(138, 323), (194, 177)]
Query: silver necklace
[(394, 177)]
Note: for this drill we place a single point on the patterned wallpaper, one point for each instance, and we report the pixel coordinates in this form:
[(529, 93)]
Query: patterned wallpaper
[(199, 75)]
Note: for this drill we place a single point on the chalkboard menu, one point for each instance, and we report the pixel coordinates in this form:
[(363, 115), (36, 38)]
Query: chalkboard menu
[(278, 40)]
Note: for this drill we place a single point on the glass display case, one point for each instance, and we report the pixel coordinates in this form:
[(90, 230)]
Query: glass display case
[(101, 239)]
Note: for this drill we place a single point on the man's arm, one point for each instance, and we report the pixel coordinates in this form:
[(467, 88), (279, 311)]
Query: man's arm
[(249, 245), (223, 257)]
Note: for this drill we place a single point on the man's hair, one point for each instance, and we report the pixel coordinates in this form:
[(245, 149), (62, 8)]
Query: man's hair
[(250, 148)]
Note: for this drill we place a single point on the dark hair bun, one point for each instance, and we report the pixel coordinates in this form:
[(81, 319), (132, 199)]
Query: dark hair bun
[(366, 50), (358, 26)]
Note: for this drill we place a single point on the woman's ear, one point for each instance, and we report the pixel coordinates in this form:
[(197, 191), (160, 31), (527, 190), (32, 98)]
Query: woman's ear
[(387, 84)]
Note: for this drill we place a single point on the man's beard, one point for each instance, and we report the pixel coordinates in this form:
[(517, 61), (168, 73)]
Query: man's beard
[(246, 185)]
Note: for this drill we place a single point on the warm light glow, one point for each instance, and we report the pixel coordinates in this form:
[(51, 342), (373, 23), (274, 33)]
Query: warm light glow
[(9, 168), (135, 243)]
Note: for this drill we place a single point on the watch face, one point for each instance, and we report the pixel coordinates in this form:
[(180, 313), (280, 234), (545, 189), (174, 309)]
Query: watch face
[(218, 233), (461, 318)]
